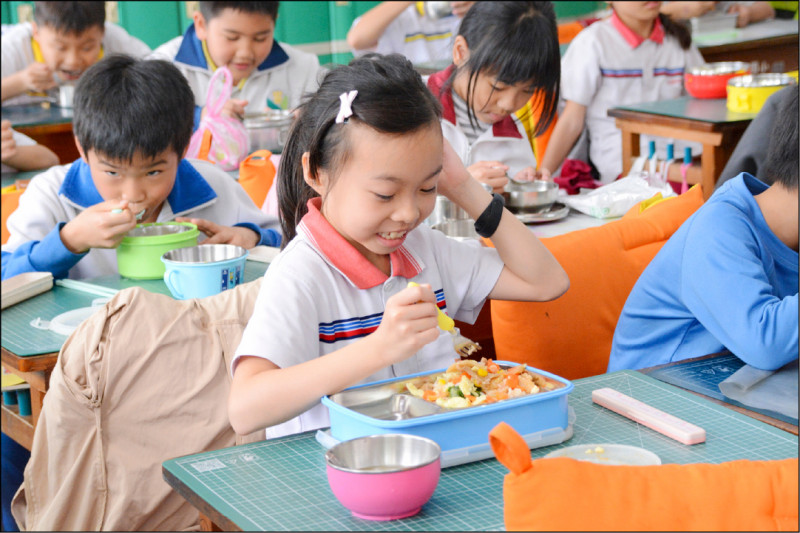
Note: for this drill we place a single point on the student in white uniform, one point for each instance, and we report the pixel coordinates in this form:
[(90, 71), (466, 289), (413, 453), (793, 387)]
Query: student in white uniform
[(404, 28), (360, 172), (64, 40), (72, 217), (241, 36), (504, 53), (635, 55)]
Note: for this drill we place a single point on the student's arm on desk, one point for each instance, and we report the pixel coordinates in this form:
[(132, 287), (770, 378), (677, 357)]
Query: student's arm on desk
[(568, 128), (47, 255), (736, 305)]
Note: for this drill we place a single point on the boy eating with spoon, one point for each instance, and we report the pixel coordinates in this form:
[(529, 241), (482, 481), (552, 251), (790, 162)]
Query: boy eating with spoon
[(133, 122)]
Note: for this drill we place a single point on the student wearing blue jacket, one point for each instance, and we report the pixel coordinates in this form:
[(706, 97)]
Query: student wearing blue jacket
[(728, 278)]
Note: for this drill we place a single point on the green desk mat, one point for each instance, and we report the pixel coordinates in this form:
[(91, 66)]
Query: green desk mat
[(23, 340), (282, 485), (705, 375)]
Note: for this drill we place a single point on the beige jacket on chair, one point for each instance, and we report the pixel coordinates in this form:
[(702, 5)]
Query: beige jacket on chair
[(143, 380)]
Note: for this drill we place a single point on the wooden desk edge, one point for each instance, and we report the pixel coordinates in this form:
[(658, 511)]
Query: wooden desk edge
[(694, 124), (780, 424), (777, 40), (33, 363), (214, 518)]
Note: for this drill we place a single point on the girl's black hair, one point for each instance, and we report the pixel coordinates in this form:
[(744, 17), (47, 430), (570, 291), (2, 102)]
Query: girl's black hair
[(70, 17), (677, 29), (516, 42), (125, 105), (391, 99)]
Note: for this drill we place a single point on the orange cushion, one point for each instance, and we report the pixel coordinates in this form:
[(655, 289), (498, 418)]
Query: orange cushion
[(10, 202), (562, 494), (571, 336), (256, 174)]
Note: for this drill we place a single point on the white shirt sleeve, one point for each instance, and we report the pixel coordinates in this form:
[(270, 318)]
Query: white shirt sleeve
[(580, 71)]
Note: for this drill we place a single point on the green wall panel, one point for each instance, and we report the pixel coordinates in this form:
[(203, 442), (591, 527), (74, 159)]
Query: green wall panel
[(153, 22)]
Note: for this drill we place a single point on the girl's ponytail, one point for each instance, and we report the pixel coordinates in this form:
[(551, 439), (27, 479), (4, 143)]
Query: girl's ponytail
[(678, 30)]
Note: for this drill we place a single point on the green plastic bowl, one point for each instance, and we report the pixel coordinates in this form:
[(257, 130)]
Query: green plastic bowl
[(139, 253)]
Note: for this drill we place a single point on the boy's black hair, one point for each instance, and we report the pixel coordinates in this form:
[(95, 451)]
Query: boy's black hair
[(516, 42), (391, 99), (125, 105), (783, 163), (213, 9), (70, 17)]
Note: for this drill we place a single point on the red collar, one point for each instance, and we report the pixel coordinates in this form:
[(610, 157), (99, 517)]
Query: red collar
[(657, 35), (504, 128), (344, 256)]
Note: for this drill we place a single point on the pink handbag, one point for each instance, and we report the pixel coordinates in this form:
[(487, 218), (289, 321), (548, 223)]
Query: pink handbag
[(228, 136)]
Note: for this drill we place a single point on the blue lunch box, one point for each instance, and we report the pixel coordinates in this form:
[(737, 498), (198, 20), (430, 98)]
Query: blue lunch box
[(542, 419)]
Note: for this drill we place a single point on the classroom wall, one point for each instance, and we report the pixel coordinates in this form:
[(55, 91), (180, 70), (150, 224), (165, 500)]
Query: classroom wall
[(318, 27)]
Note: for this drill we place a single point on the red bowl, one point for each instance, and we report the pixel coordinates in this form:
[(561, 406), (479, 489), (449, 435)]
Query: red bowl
[(711, 80)]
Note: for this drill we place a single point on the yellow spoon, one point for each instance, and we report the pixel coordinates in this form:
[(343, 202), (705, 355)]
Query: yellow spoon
[(445, 322), (464, 346)]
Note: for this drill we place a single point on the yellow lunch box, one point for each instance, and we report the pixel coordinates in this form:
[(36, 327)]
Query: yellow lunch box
[(747, 94)]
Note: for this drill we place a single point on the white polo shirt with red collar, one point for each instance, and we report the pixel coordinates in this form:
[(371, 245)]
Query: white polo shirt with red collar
[(608, 65), (320, 294), (505, 141)]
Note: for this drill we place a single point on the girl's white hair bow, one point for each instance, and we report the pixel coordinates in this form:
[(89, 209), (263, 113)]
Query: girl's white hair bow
[(345, 109)]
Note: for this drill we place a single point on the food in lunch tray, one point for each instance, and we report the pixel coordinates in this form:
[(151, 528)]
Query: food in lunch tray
[(466, 383)]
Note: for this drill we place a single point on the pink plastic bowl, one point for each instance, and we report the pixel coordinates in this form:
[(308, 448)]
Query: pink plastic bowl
[(384, 477)]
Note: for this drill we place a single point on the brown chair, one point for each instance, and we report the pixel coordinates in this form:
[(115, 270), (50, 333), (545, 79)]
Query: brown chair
[(571, 336)]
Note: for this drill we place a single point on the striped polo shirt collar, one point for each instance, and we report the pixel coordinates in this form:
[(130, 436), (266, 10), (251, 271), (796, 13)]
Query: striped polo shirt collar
[(346, 258), (634, 40)]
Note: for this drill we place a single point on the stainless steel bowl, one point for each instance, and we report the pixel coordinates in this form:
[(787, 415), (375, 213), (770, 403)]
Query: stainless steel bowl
[(762, 80), (721, 67), (437, 10), (150, 230), (268, 130), (538, 194), (387, 452), (205, 253), (445, 210), (461, 230)]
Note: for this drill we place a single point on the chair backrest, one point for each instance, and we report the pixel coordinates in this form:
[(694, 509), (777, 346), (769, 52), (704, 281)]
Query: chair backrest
[(571, 336), (145, 379)]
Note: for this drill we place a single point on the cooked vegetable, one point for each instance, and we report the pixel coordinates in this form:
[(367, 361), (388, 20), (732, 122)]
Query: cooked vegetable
[(467, 383)]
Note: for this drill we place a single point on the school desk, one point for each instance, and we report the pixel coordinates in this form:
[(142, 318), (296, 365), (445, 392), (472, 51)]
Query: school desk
[(31, 353), (47, 124), (773, 43), (706, 121), (281, 484)]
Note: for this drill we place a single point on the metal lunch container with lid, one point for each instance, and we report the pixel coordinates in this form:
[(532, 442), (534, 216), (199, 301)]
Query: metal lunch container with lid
[(268, 130)]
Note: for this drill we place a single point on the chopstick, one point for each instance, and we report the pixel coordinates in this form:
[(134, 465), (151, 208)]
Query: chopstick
[(87, 287)]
